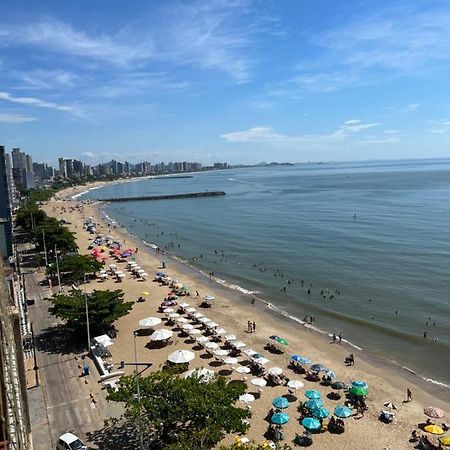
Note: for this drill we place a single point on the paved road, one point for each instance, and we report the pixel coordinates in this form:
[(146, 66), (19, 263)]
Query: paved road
[(64, 400)]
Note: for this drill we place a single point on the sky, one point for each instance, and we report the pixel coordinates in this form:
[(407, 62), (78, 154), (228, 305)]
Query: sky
[(241, 81)]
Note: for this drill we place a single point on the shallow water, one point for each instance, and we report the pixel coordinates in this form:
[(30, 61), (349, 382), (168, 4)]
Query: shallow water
[(296, 223)]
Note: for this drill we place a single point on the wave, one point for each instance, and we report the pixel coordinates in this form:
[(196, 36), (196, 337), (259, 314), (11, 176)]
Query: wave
[(426, 379), (74, 197)]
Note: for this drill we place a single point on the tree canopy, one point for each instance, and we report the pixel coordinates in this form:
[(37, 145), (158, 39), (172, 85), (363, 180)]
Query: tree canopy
[(177, 413), (72, 268), (105, 307), (55, 235)]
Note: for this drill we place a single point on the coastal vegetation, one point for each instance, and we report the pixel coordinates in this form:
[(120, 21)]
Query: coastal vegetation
[(74, 268), (105, 307), (178, 413)]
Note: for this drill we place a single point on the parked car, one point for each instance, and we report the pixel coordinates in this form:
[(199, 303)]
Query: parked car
[(69, 441)]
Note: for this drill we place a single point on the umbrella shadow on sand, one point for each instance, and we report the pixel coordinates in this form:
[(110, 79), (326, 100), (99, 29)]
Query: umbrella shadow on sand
[(144, 332), (215, 363), (205, 356), (225, 372), (290, 397)]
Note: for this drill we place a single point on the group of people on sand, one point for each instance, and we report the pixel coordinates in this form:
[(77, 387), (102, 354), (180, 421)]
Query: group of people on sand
[(251, 326)]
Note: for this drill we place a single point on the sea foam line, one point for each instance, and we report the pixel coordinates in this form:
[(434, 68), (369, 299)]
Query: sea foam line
[(426, 379)]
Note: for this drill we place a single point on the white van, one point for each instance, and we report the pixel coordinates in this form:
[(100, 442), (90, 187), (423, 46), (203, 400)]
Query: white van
[(69, 441)]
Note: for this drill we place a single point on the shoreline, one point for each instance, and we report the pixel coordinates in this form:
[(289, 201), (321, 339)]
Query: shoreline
[(232, 309)]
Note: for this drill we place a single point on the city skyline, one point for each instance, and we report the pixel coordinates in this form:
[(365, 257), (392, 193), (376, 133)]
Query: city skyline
[(240, 81)]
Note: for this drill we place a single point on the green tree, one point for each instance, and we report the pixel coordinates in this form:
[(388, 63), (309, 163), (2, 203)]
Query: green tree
[(105, 307), (178, 414), (73, 268), (55, 234)]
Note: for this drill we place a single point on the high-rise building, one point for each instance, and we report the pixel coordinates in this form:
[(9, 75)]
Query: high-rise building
[(5, 209), (62, 168), (19, 159), (77, 168), (29, 163)]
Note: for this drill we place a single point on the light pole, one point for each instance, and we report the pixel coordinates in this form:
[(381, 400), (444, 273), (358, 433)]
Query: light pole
[(138, 389), (57, 268), (45, 248), (87, 316)]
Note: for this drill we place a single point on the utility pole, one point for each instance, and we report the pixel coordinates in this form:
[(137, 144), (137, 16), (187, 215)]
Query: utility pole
[(35, 368), (141, 438), (87, 316), (45, 248), (57, 268)]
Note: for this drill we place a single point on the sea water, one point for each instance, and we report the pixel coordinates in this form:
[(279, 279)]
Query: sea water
[(373, 236)]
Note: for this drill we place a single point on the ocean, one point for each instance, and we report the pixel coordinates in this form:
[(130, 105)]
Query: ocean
[(370, 240)]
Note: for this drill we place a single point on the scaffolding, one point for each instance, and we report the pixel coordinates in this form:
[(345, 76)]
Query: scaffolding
[(14, 417)]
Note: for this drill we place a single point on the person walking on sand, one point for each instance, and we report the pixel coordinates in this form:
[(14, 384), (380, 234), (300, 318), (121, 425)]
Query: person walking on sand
[(340, 338), (249, 326), (334, 338), (408, 395), (254, 327)]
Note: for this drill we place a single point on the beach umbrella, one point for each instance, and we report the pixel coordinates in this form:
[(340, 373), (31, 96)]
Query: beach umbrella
[(280, 402), (445, 440), (274, 337), (160, 274), (275, 371), (295, 384), (212, 346), (220, 332), (390, 405), (231, 361), (230, 337), (434, 429), (359, 391), (221, 352), (149, 322), (113, 266), (190, 310), (246, 398), (168, 310), (161, 335), (173, 315), (301, 359), (312, 394), (243, 369), (184, 305), (342, 411), (330, 373), (279, 418), (194, 331), (182, 320), (208, 298), (314, 404), (181, 356), (317, 367), (211, 325), (198, 315), (320, 413), (360, 384), (261, 382), (238, 344), (435, 413), (145, 293), (202, 340), (204, 375), (204, 320), (188, 327), (338, 385), (262, 361), (282, 341), (144, 275), (311, 424)]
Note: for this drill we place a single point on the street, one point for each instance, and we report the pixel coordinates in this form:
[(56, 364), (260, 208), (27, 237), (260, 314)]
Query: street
[(64, 400)]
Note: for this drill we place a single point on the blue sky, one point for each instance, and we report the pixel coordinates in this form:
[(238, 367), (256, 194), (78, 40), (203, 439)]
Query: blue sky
[(239, 81)]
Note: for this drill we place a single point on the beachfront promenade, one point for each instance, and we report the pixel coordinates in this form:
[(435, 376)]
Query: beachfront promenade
[(164, 197)]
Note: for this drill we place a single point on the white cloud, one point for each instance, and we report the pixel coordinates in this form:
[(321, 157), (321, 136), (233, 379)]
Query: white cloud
[(16, 118), (266, 134), (31, 101), (46, 79)]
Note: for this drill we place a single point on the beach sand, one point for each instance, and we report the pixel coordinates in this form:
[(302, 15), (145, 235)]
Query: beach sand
[(232, 311)]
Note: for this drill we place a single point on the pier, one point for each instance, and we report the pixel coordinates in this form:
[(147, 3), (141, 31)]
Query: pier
[(163, 197)]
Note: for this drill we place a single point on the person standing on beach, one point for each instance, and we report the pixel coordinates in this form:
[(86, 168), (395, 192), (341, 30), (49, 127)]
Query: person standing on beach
[(254, 327), (340, 338), (408, 395), (334, 338)]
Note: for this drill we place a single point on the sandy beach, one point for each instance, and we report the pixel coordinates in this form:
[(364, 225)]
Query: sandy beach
[(233, 311)]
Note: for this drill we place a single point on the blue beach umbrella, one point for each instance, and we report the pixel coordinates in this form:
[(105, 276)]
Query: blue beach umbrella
[(312, 394), (301, 359), (160, 274), (330, 373), (342, 411), (274, 337), (314, 404), (311, 424), (317, 367), (280, 418), (360, 384), (320, 413), (280, 402)]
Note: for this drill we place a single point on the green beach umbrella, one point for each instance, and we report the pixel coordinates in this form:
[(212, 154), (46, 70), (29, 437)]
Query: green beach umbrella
[(282, 341), (359, 391)]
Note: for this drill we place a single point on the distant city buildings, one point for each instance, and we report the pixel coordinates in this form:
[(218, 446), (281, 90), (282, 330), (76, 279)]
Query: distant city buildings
[(5, 207)]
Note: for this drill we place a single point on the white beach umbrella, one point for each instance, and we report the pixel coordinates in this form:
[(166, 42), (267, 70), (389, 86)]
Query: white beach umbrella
[(144, 275), (136, 268), (205, 375), (230, 361), (173, 315), (194, 331), (295, 384), (190, 310), (168, 310), (221, 352), (262, 361), (238, 344), (141, 271), (198, 315), (243, 369), (149, 322), (112, 266), (118, 272), (230, 337), (249, 352), (260, 382), (202, 340), (184, 305), (103, 271), (247, 398), (161, 335), (204, 320), (120, 275), (211, 325), (188, 327), (220, 332), (208, 298), (275, 371), (212, 346), (182, 320), (181, 356), (104, 275)]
